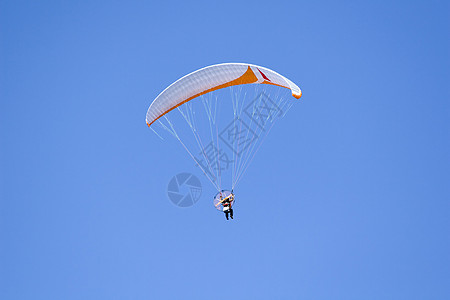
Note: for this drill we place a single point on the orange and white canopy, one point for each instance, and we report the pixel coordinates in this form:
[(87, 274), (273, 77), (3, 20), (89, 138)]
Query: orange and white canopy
[(212, 78)]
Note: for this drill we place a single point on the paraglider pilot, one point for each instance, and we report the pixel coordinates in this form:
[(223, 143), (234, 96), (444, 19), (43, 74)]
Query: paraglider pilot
[(227, 203)]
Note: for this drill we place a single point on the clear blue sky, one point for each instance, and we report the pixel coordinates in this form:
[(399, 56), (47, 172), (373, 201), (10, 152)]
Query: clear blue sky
[(348, 198)]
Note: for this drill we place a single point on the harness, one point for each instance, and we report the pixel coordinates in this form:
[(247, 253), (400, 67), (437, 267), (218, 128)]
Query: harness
[(226, 202)]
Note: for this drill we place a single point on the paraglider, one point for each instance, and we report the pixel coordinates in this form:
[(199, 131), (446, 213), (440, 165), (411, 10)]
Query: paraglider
[(226, 145), (224, 200)]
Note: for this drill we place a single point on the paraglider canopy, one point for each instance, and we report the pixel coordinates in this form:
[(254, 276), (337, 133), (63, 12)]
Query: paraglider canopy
[(213, 78)]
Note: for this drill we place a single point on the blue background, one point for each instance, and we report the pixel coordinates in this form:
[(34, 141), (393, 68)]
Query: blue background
[(348, 198)]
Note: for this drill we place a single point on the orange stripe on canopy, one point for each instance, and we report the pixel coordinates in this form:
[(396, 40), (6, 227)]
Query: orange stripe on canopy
[(246, 78)]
